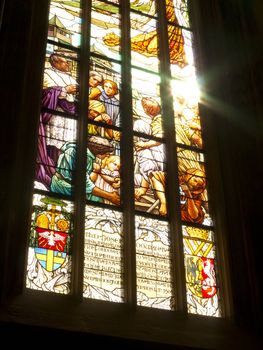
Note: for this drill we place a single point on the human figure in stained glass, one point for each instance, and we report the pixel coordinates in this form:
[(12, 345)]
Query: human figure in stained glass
[(192, 185), (59, 86), (112, 104), (97, 112), (66, 165), (95, 81), (59, 93), (107, 175), (150, 153)]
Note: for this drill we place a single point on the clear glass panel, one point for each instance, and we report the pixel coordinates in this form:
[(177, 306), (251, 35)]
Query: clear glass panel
[(193, 187), (50, 241), (64, 22), (105, 30), (153, 264), (103, 255)]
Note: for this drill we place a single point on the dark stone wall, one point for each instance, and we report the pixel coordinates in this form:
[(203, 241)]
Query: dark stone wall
[(22, 36), (231, 43), (230, 39)]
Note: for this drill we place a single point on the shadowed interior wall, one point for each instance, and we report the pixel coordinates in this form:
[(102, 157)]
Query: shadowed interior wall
[(230, 38)]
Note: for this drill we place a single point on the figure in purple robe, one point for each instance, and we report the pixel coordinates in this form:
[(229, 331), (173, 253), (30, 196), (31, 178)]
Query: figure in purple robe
[(59, 90)]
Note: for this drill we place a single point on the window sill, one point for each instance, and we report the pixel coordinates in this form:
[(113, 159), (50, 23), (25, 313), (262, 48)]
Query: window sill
[(102, 318)]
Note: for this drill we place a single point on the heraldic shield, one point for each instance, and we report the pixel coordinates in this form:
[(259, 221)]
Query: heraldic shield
[(51, 233), (200, 276), (49, 259)]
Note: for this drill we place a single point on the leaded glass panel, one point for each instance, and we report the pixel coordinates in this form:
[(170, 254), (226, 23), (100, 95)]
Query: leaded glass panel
[(120, 154)]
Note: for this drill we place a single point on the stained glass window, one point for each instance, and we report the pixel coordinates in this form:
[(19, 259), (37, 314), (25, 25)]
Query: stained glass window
[(121, 188)]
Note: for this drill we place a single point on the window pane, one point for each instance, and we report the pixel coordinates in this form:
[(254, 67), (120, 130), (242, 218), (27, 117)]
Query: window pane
[(103, 255), (147, 117), (148, 7), (150, 176), (154, 282), (199, 256), (104, 91), (177, 12), (60, 81), (59, 94), (122, 102), (186, 113), (193, 187), (50, 241), (145, 86), (144, 42), (105, 29), (53, 139), (65, 22), (103, 178), (181, 53)]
